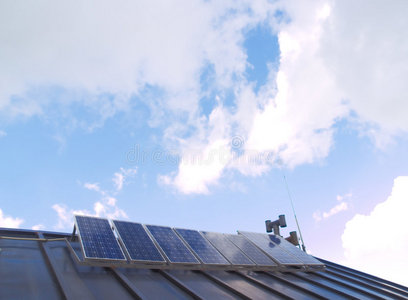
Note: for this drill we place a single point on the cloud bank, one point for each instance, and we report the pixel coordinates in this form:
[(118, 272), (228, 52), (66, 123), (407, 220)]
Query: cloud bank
[(338, 60), (333, 65), (377, 243)]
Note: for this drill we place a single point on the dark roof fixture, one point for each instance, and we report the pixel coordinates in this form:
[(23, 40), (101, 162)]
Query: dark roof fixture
[(275, 225), (293, 238), (275, 228)]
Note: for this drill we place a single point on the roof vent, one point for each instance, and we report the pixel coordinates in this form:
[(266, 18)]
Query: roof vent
[(293, 238), (275, 225)]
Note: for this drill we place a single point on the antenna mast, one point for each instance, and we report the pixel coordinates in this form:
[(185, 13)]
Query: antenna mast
[(294, 213)]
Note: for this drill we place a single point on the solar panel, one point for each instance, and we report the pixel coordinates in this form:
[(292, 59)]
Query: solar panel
[(228, 249), (172, 246), (97, 239), (251, 250), (201, 247), (295, 251), (277, 253), (138, 244)]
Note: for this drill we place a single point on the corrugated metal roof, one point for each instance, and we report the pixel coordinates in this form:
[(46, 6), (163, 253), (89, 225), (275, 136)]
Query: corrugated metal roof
[(47, 270)]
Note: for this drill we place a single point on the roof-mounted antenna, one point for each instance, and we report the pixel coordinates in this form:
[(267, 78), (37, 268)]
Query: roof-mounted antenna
[(275, 227), (294, 213)]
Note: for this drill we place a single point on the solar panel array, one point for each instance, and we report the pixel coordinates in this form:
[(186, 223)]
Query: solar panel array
[(97, 239), (228, 249), (137, 242), (201, 247), (162, 247), (251, 250), (172, 246), (277, 253), (295, 251)]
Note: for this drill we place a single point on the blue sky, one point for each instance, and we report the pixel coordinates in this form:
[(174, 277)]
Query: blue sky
[(189, 115)]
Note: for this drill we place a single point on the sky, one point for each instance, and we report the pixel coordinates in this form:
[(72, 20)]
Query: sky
[(196, 114)]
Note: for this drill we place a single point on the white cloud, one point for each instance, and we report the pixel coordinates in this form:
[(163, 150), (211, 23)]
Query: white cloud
[(345, 196), (111, 201), (202, 163), (106, 206), (3, 133), (322, 66), (120, 177), (296, 123), (377, 243), (366, 53), (342, 206), (65, 216), (333, 65), (197, 171), (7, 221), (118, 49), (92, 186), (100, 209), (38, 227), (335, 210), (335, 62)]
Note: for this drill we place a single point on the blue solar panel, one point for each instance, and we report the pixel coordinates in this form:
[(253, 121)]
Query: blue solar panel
[(172, 245), (277, 253), (202, 248), (137, 242), (295, 251), (251, 250), (97, 239), (228, 249)]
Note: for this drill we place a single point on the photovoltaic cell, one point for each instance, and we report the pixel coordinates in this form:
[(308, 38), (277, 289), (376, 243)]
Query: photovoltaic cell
[(201, 247), (172, 245), (228, 249), (277, 253), (137, 242), (251, 250), (295, 251), (97, 239)]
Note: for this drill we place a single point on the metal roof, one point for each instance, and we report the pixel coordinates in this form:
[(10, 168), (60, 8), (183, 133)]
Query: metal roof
[(31, 269)]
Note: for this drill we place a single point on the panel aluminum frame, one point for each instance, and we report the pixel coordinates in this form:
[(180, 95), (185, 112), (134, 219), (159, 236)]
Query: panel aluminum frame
[(265, 246), (227, 248), (256, 254), (96, 259), (305, 258), (227, 263), (163, 252), (125, 248)]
